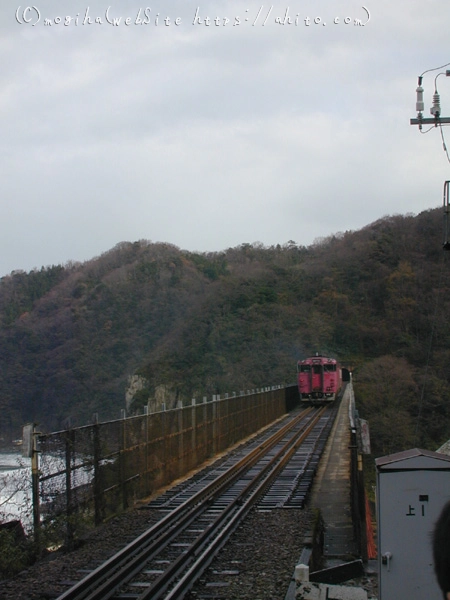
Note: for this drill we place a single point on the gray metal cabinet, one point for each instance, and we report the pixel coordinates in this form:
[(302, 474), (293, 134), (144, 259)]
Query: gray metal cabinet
[(412, 488)]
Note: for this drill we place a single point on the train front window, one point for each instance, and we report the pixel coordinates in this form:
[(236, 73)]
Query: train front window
[(317, 369), (305, 368)]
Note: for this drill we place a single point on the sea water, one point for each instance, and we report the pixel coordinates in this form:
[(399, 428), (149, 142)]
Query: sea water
[(15, 487)]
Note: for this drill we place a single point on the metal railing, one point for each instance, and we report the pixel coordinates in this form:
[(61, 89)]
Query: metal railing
[(84, 475)]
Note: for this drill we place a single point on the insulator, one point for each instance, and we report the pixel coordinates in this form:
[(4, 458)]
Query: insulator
[(435, 110), (420, 104)]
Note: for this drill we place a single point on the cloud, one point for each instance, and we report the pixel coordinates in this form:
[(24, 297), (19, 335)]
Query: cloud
[(211, 136)]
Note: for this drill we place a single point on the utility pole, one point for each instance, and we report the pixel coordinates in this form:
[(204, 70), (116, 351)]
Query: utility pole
[(436, 120), (30, 449)]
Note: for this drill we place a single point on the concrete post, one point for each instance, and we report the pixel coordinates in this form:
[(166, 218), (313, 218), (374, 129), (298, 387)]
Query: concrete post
[(301, 573)]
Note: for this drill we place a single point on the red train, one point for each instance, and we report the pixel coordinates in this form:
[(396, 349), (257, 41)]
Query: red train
[(319, 379)]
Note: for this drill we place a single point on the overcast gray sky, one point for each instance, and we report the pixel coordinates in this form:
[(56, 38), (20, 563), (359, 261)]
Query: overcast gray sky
[(209, 136)]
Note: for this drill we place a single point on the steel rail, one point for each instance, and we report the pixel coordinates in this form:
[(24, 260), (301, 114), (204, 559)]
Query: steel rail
[(102, 581), (220, 530)]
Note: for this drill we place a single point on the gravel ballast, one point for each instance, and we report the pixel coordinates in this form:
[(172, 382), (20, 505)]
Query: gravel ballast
[(258, 561)]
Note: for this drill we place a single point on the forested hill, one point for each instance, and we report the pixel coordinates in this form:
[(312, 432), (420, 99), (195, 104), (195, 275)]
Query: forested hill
[(161, 322)]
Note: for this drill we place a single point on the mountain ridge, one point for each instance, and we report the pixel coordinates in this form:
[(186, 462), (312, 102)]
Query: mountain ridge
[(187, 324)]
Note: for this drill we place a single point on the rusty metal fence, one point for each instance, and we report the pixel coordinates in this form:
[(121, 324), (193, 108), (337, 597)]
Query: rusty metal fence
[(87, 474)]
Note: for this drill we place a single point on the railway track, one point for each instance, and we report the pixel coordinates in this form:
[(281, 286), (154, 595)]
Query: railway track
[(274, 470)]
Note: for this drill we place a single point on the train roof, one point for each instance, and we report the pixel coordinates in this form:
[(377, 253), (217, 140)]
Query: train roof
[(318, 359)]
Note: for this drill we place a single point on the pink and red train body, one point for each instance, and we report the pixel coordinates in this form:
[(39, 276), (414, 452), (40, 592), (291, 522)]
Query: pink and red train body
[(319, 379)]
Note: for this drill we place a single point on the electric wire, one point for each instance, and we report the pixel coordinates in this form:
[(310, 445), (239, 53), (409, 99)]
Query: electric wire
[(427, 131), (435, 69), (444, 145), (433, 323), (435, 82), (443, 142)]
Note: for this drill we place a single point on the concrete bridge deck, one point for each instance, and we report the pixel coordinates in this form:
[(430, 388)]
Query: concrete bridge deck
[(331, 490)]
